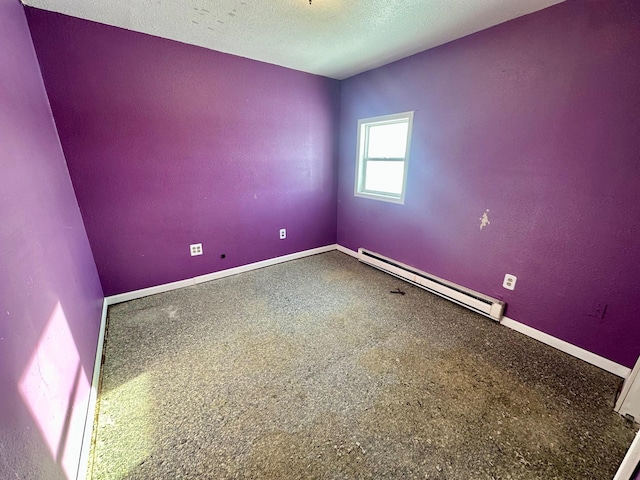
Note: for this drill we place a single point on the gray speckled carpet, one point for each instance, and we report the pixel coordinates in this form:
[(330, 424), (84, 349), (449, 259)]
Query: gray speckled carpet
[(313, 369)]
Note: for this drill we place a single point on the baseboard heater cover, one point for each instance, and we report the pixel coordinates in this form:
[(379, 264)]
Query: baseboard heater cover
[(478, 302)]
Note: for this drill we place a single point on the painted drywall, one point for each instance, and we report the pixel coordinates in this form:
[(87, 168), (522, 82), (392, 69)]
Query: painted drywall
[(170, 144), (50, 295), (535, 123), (531, 123)]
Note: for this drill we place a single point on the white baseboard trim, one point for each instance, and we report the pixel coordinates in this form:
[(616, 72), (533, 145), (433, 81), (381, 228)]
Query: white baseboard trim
[(346, 250), (87, 436), (630, 461), (145, 292), (262, 264), (125, 297), (566, 347)]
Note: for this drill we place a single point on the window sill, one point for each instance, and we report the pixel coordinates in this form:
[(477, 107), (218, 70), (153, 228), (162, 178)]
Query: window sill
[(382, 198)]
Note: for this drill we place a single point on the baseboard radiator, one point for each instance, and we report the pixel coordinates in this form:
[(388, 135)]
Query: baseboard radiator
[(483, 304)]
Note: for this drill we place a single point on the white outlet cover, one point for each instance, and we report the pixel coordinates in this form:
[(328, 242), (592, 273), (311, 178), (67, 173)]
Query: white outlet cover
[(509, 281), (283, 233), (196, 249)]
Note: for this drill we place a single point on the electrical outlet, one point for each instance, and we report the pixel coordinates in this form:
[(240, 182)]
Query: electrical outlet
[(283, 233), (509, 281), (196, 249)]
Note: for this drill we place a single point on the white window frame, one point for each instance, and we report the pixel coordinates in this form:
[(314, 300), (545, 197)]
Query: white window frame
[(362, 160)]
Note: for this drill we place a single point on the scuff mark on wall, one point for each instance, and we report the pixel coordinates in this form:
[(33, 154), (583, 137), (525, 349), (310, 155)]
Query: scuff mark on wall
[(484, 219)]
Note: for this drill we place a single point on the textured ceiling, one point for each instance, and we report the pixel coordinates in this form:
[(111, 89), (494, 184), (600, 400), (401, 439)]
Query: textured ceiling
[(334, 38)]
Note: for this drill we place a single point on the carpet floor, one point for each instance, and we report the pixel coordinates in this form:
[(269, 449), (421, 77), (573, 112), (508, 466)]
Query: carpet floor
[(313, 369)]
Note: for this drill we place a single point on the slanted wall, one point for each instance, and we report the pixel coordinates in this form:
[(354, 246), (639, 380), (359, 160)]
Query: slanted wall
[(50, 295)]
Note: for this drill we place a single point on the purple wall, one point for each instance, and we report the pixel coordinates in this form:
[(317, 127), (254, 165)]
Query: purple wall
[(537, 121), (170, 144), (50, 296)]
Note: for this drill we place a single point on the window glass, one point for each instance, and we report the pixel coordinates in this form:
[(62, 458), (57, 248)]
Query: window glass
[(388, 141), (383, 154), (384, 177)]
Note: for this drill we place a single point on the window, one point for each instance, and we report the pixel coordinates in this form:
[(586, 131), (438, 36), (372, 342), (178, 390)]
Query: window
[(383, 153)]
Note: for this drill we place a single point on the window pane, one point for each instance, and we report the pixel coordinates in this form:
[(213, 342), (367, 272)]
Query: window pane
[(384, 177), (388, 141)]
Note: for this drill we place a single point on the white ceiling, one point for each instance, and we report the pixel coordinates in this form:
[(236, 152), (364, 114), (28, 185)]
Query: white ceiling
[(334, 38)]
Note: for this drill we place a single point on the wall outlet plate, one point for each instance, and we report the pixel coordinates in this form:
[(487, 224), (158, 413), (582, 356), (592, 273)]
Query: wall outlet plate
[(196, 249), (283, 233), (509, 281)]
